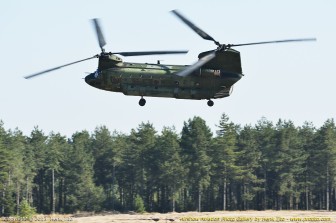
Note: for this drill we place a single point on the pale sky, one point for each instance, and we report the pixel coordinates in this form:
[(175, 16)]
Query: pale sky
[(293, 81)]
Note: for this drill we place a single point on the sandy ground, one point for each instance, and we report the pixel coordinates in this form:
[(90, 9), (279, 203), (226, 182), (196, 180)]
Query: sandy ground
[(219, 216)]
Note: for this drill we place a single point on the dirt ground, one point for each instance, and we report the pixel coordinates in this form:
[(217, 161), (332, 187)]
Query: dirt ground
[(218, 216)]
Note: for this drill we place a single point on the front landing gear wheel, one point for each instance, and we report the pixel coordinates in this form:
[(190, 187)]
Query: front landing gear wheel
[(210, 103), (142, 102)]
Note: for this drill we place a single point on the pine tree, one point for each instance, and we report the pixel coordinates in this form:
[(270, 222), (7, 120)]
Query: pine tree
[(145, 142), (129, 171), (105, 162), (26, 211), (30, 171), (4, 174), (307, 138), (325, 158), (119, 144), (195, 142), (16, 146), (266, 143), (249, 158), (81, 194), (289, 159), (167, 164), (57, 147), (224, 156), (38, 145), (8, 202), (102, 146)]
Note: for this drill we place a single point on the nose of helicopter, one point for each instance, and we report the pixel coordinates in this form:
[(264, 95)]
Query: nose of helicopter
[(91, 79)]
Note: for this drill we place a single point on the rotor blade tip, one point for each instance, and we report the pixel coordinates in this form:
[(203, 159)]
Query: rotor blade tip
[(28, 77)]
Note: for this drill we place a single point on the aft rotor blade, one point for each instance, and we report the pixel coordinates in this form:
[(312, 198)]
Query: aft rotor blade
[(99, 33), (200, 32), (144, 53), (196, 65), (59, 67), (275, 41)]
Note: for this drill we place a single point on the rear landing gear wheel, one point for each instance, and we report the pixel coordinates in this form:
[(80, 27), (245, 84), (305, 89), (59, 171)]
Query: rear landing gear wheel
[(142, 102), (210, 103)]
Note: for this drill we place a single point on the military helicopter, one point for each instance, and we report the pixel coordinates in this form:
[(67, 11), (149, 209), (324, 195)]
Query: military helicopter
[(211, 77)]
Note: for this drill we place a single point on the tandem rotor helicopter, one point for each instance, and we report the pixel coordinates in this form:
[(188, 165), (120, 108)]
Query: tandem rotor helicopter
[(211, 77)]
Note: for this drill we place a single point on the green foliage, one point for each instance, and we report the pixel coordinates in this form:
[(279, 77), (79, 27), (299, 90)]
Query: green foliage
[(248, 160), (26, 211), (139, 204), (5, 158), (87, 197), (8, 202), (167, 168), (104, 153), (266, 166), (195, 143), (82, 193)]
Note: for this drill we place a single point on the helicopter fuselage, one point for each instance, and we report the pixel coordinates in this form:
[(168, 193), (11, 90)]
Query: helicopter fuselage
[(213, 80)]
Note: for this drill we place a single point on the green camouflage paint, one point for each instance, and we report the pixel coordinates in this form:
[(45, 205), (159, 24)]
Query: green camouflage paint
[(213, 80)]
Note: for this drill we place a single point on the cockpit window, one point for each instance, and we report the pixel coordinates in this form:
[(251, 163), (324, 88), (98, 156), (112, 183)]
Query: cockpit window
[(96, 73)]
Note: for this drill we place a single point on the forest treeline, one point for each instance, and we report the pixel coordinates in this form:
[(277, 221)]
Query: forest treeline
[(264, 166)]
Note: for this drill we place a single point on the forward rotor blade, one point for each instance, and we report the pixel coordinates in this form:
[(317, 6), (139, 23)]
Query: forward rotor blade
[(99, 33), (200, 32), (59, 67), (143, 53), (275, 41), (196, 65)]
